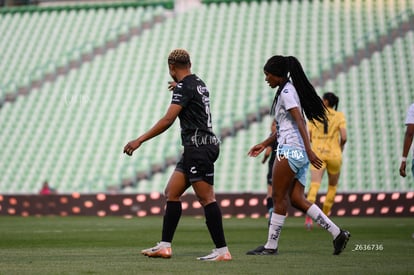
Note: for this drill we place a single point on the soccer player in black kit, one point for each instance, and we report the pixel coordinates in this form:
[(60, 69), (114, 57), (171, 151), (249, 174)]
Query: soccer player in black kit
[(191, 104)]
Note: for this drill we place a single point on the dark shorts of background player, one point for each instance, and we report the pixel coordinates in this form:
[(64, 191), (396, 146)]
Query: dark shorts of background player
[(269, 174), (412, 167), (197, 163), (270, 167)]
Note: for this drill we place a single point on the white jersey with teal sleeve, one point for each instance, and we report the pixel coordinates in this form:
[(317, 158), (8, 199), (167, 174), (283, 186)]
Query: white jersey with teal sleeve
[(287, 129)]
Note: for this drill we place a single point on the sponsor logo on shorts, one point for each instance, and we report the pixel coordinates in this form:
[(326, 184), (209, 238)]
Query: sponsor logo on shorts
[(281, 153)]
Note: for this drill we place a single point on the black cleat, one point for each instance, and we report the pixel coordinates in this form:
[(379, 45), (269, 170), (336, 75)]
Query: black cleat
[(261, 250), (340, 242), (254, 251)]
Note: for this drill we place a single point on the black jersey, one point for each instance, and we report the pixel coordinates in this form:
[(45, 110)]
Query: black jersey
[(195, 118)]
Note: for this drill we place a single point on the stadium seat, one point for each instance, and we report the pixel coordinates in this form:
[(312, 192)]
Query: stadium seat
[(78, 123)]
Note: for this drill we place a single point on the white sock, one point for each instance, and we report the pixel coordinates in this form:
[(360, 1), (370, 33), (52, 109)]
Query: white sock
[(318, 216), (222, 250), (166, 244), (276, 224)]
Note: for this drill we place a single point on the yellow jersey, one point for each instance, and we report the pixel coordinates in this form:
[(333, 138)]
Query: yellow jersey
[(328, 144)]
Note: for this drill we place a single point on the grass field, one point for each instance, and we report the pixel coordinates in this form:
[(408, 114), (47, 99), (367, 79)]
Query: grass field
[(111, 245)]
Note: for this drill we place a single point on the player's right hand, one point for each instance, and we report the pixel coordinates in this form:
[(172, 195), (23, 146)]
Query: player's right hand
[(171, 85), (402, 169), (131, 147), (256, 150)]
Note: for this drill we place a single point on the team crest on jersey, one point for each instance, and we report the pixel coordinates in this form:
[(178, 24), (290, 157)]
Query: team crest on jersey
[(205, 100), (202, 90)]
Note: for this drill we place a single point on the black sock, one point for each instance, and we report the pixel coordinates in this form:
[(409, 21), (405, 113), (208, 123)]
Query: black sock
[(214, 223), (269, 203), (171, 218)]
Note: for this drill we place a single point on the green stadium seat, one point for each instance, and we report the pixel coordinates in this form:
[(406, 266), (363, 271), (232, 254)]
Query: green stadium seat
[(78, 123)]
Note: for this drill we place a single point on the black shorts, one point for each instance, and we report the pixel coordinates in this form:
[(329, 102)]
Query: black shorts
[(269, 173), (270, 168), (197, 163)]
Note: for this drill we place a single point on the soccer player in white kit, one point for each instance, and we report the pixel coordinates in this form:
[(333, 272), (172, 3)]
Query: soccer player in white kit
[(408, 139), (295, 98)]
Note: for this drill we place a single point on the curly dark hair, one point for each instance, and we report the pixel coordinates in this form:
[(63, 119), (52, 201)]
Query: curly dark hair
[(179, 57)]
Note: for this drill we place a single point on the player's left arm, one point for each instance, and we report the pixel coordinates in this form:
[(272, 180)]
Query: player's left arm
[(342, 133), (408, 139), (163, 124), (310, 126), (300, 122)]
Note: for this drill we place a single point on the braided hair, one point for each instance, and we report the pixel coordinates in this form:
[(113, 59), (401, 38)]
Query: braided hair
[(290, 67), (333, 102)]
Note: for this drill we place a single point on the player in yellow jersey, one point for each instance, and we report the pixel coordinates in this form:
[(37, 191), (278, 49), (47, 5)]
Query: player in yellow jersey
[(328, 142)]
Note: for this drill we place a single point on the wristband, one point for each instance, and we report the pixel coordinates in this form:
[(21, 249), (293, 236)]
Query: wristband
[(403, 159)]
